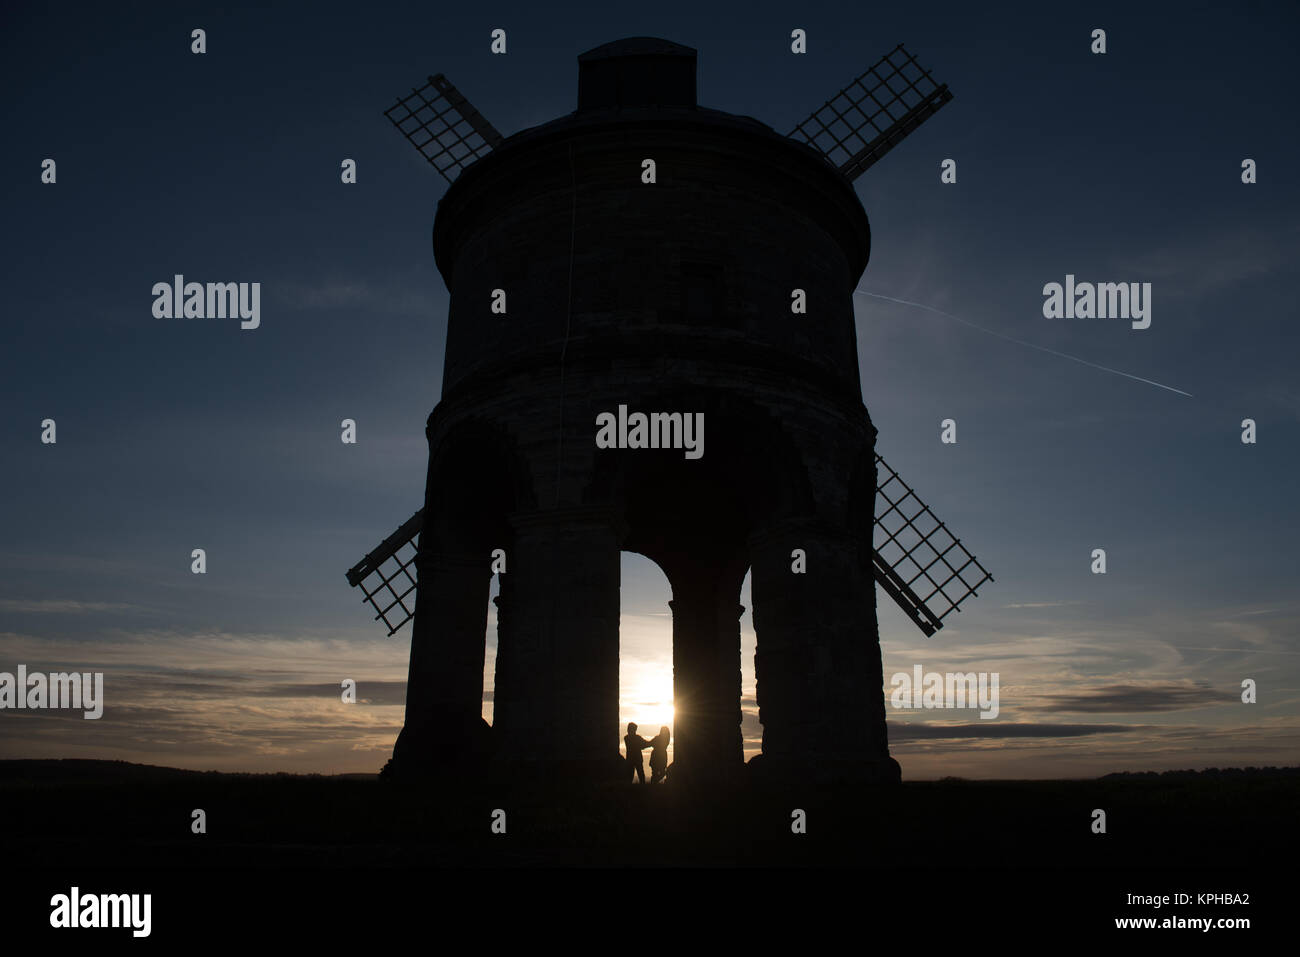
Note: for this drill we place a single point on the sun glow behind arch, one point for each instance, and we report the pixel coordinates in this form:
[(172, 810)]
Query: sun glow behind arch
[(646, 694)]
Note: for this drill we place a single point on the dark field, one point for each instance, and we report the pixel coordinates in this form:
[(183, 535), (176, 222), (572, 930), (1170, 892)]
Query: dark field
[(137, 815), (288, 858)]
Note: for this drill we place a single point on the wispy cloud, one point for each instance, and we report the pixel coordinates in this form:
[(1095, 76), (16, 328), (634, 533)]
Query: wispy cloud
[(359, 295), (1138, 697), (373, 692), (1195, 266), (913, 730), (65, 606), (1042, 604)]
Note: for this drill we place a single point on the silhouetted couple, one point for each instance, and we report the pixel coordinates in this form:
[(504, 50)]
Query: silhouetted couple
[(658, 754)]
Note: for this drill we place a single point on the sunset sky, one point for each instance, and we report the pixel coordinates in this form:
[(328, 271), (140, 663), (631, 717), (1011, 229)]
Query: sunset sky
[(175, 435)]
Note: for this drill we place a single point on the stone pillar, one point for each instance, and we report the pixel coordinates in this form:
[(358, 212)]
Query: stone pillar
[(817, 662), (556, 699), (706, 675), (444, 687)]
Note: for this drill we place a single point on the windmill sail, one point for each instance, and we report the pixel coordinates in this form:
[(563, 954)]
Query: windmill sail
[(387, 574), (916, 559), (873, 114), (443, 126)]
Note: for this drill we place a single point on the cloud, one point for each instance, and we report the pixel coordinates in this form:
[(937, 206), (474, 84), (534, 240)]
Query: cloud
[(368, 692), (218, 700), (916, 730), (54, 606), (1133, 698), (356, 295), (1042, 604), (1193, 268)]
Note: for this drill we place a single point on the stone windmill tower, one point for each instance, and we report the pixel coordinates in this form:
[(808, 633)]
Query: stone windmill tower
[(646, 255)]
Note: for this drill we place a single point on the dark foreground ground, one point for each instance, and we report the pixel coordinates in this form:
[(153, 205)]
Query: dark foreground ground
[(139, 815), (1006, 840)]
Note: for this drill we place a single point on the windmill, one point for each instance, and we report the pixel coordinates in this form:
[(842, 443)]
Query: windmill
[(639, 85)]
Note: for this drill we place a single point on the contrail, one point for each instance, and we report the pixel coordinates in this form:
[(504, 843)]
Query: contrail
[(1021, 342)]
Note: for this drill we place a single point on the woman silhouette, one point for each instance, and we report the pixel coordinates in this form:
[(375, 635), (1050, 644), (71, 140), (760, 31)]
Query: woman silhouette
[(659, 755)]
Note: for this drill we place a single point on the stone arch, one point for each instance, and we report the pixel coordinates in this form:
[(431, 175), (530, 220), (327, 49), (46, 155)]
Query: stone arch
[(694, 518)]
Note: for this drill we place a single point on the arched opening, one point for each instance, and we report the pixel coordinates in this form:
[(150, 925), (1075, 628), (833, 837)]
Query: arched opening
[(490, 652), (751, 730), (645, 637), (694, 518)]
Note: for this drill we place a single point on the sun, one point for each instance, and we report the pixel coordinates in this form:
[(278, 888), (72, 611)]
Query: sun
[(647, 694)]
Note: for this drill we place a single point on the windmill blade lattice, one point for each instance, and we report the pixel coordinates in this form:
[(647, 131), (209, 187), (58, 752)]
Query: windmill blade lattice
[(443, 126), (873, 114), (919, 563), (387, 574)]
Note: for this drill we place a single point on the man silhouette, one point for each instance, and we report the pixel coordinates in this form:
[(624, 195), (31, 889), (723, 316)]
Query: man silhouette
[(635, 745)]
